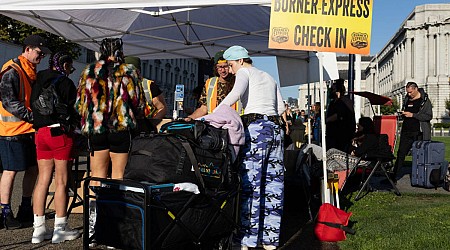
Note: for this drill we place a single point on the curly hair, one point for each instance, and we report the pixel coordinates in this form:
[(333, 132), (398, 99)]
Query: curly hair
[(57, 60)]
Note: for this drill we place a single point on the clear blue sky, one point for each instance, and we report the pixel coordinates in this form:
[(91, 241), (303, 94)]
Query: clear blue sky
[(387, 17)]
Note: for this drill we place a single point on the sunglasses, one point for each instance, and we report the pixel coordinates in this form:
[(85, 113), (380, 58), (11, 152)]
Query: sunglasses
[(40, 53)]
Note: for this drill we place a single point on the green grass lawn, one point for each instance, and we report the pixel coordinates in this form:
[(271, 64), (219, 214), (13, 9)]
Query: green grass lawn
[(411, 221)]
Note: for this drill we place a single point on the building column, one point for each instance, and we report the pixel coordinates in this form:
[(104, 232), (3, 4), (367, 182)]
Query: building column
[(437, 43), (443, 57), (447, 60), (408, 58), (430, 61), (426, 56), (403, 58), (395, 66)]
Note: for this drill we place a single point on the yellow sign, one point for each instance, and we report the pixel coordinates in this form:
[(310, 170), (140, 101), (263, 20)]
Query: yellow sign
[(342, 26)]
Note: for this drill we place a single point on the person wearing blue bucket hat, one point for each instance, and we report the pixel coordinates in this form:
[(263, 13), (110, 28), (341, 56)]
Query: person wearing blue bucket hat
[(262, 170)]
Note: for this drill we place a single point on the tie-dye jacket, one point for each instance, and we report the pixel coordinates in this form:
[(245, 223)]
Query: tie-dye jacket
[(109, 102)]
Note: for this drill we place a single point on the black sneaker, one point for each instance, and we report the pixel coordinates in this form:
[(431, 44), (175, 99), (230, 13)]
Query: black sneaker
[(25, 214), (10, 222)]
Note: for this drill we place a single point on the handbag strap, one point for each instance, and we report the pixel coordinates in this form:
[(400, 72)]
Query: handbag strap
[(340, 226), (194, 162)]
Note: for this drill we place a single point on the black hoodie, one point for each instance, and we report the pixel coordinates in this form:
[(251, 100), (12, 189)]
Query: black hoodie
[(67, 94)]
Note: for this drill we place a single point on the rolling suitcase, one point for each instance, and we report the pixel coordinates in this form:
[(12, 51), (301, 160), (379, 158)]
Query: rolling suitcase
[(428, 164)]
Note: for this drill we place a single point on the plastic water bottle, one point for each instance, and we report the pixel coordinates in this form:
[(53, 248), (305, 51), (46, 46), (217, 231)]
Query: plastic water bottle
[(174, 114)]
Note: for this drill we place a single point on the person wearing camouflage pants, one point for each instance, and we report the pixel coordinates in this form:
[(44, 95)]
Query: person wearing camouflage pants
[(262, 170), (262, 175)]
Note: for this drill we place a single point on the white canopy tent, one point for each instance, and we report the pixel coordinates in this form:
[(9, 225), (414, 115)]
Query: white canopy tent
[(165, 29), (168, 29)]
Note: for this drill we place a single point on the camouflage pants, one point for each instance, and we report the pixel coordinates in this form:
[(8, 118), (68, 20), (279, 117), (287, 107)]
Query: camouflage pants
[(262, 175)]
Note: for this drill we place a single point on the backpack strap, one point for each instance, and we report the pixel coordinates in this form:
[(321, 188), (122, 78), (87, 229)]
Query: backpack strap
[(56, 80)]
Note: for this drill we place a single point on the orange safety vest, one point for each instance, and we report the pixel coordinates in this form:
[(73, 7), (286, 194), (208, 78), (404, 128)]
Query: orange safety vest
[(211, 96), (9, 124)]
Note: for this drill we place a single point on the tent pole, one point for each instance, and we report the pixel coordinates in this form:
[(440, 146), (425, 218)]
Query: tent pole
[(326, 194)]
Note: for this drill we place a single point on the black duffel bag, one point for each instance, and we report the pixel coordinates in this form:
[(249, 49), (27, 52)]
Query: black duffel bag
[(169, 158), (160, 158)]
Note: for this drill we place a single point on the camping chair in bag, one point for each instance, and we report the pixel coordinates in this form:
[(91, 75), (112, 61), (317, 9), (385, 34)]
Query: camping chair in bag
[(381, 160)]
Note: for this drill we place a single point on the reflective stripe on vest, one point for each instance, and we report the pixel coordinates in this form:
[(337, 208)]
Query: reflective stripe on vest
[(150, 109), (9, 118), (211, 97), (148, 94)]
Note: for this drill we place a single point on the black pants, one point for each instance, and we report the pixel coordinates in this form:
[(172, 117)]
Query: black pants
[(406, 141)]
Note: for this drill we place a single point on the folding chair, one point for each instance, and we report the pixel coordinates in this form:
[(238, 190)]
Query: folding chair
[(382, 158)]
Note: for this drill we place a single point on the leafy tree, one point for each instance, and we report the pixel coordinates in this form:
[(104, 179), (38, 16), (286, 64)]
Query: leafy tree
[(447, 104), (390, 110), (14, 31)]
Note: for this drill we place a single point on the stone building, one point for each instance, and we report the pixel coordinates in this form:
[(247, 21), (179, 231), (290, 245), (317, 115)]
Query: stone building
[(418, 52)]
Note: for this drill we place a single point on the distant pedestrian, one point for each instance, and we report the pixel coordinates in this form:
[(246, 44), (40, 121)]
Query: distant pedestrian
[(340, 118), (417, 114), (317, 125)]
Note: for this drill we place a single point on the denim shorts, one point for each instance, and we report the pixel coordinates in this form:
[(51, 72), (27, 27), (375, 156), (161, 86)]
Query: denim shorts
[(18, 155)]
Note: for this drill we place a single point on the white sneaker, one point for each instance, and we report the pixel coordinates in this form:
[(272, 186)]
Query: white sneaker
[(40, 232), (63, 232), (268, 247)]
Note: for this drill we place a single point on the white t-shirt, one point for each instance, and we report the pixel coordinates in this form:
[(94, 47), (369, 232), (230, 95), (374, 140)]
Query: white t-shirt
[(258, 92)]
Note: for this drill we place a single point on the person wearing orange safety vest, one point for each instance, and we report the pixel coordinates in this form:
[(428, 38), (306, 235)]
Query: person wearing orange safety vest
[(216, 89), (17, 148)]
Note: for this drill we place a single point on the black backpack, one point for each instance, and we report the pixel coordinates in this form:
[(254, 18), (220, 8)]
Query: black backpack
[(48, 98)]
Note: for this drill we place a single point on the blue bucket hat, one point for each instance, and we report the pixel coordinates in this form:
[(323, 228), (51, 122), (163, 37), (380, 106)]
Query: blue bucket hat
[(235, 53)]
